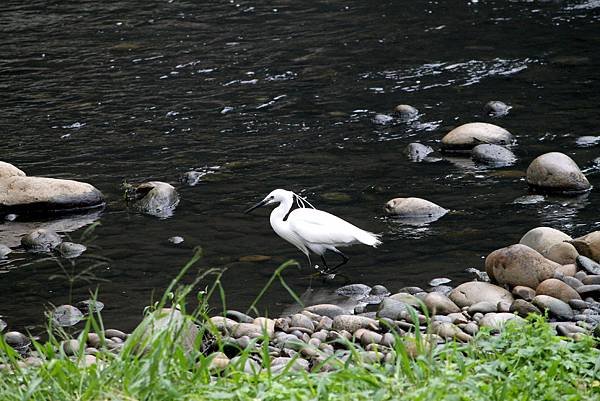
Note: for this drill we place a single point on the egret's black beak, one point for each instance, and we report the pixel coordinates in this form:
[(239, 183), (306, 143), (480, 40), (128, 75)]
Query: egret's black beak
[(259, 204)]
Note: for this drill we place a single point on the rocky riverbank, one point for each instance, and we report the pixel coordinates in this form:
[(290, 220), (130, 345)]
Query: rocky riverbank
[(519, 280)]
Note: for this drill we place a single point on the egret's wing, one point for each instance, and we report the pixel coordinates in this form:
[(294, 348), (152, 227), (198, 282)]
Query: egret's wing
[(318, 227)]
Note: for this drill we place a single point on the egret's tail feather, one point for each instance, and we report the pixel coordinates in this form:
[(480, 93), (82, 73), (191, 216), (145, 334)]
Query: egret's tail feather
[(369, 238)]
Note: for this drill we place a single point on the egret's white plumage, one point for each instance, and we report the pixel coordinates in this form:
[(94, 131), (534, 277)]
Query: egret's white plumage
[(312, 230)]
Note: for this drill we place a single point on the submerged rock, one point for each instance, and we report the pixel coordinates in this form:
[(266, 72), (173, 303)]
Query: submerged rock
[(496, 108), (382, 119), (467, 136), (417, 152), (4, 251), (519, 265), (406, 112), (587, 141), (192, 178), (70, 250), (414, 207), (556, 172), (495, 155), (41, 240), (66, 315), (154, 198)]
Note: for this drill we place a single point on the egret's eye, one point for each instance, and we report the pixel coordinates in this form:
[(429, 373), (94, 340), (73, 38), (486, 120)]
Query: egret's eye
[(272, 197)]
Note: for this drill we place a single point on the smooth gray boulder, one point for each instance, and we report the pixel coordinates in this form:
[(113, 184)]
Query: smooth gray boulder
[(555, 306), (473, 292), (21, 194), (154, 198), (406, 112), (467, 136), (556, 172), (494, 155), (413, 207)]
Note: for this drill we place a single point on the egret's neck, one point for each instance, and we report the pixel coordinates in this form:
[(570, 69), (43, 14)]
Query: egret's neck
[(280, 211)]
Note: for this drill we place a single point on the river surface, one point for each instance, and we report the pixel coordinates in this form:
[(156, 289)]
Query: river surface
[(263, 95)]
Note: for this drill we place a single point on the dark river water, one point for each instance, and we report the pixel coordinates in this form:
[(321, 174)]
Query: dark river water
[(264, 95)]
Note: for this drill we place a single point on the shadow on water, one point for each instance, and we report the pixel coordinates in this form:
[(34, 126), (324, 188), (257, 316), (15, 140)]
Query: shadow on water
[(284, 96)]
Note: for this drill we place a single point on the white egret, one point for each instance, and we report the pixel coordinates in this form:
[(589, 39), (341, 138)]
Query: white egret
[(312, 230)]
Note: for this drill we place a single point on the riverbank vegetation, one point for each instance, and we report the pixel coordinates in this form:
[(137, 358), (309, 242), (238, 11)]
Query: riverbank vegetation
[(158, 362)]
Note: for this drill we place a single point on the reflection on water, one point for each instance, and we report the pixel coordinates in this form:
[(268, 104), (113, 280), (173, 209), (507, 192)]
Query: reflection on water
[(283, 97)]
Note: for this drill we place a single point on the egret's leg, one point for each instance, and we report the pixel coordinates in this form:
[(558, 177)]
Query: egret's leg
[(345, 260)]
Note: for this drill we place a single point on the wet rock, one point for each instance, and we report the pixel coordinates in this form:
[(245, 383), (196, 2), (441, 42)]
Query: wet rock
[(192, 178), (497, 321), (543, 238), (406, 112), (587, 141), (483, 307), (154, 198), (176, 240), (351, 323), (66, 315), (4, 251), (592, 290), (555, 306), (562, 253), (16, 340), (41, 240), (523, 292), (70, 250), (529, 199), (382, 119), (523, 308), (416, 152), (411, 290), (3, 325), (496, 108), (439, 281), (588, 265), (392, 309), (478, 275), (557, 289), (413, 207), (354, 291), (440, 304), (8, 170), (90, 306), (556, 172), (114, 333), (379, 290), (519, 265), (19, 193), (467, 136), (494, 155), (472, 292)]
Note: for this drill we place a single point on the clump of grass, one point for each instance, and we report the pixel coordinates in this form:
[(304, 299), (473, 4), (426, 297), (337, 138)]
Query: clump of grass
[(523, 362)]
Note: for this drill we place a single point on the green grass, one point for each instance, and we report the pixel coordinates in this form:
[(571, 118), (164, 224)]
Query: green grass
[(522, 363)]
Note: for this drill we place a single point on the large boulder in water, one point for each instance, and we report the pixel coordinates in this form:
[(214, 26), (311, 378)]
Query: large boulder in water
[(413, 207), (519, 265), (22, 194), (556, 172), (8, 170), (155, 198), (467, 136), (494, 155)]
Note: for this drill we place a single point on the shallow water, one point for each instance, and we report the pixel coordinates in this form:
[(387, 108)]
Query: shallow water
[(266, 95)]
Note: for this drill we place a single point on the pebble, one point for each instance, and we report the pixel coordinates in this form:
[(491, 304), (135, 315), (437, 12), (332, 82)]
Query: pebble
[(496, 108), (176, 240)]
